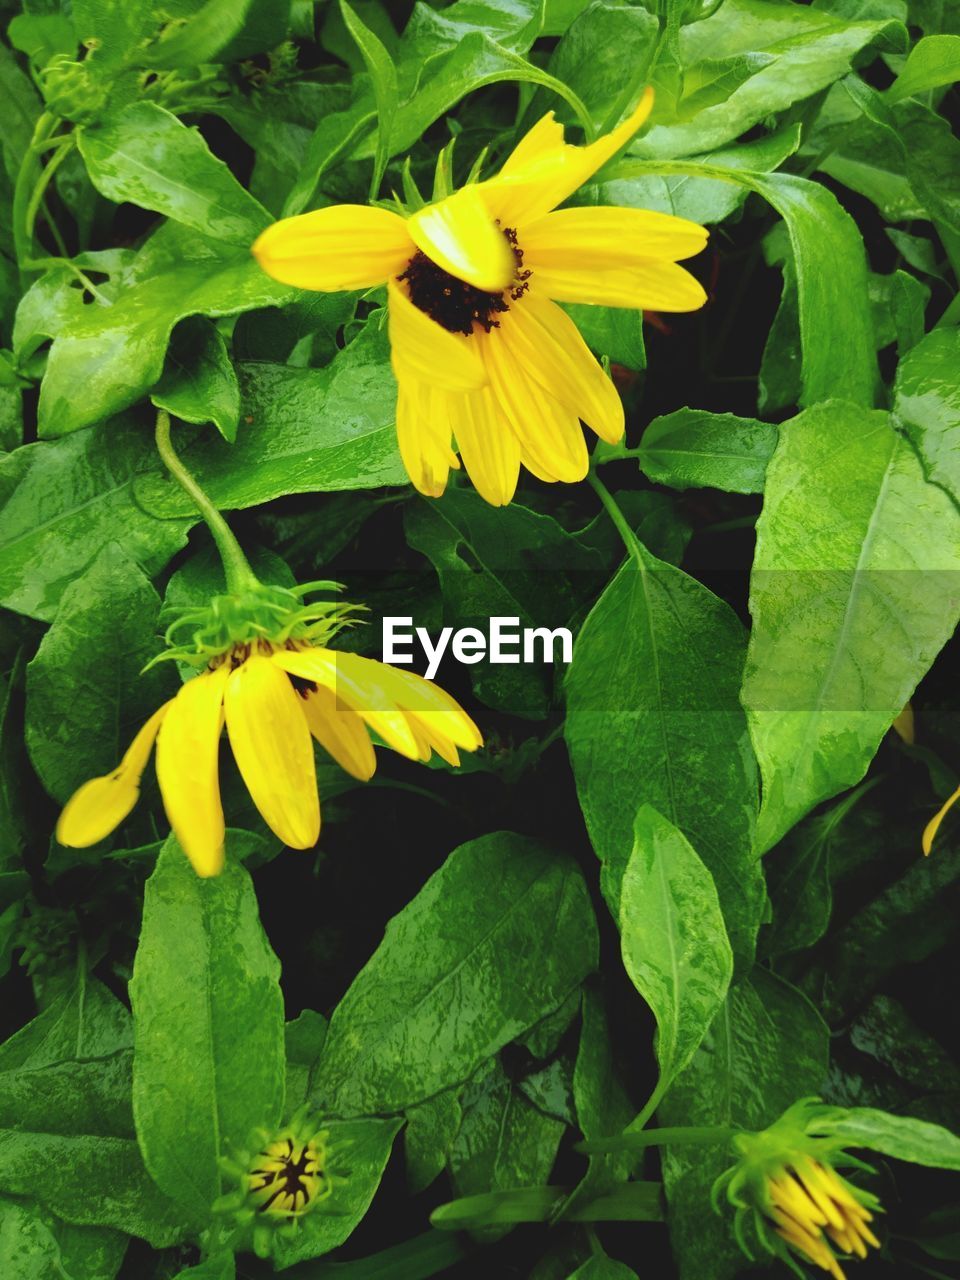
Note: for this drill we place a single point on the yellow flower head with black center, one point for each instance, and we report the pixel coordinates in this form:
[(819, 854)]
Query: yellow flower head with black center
[(268, 675), (287, 1177), (801, 1208), (485, 360)]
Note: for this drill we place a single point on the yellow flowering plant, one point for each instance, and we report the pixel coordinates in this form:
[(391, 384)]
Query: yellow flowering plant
[(483, 355)]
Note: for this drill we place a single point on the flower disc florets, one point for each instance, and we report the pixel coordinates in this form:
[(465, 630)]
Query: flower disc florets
[(275, 617), (786, 1185), (281, 1178)]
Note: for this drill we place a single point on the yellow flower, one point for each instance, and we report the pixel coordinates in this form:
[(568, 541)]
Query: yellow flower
[(481, 351), (287, 1177), (272, 698), (812, 1206)]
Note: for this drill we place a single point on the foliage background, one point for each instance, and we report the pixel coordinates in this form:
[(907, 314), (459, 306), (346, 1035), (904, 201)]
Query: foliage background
[(789, 481)]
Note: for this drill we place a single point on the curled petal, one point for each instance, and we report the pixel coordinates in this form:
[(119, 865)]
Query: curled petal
[(100, 805), (459, 235)]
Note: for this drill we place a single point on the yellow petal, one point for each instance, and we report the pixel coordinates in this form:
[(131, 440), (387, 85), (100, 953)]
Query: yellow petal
[(423, 434), (422, 350), (270, 740), (488, 447), (933, 826), (429, 741), (431, 704), (904, 725), (550, 435), (653, 286), (345, 246), (367, 696), (549, 346), (603, 238), (459, 235), (341, 732), (100, 805), (544, 138), (187, 759), (547, 173)]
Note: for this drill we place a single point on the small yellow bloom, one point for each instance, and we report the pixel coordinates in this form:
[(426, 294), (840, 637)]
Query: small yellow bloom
[(482, 354), (287, 1178), (272, 698), (811, 1207)]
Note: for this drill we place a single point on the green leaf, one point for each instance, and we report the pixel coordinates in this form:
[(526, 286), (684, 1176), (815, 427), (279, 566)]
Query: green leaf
[(202, 36), (695, 449), (613, 332), (492, 943), (766, 1048), (852, 544), (41, 36), (88, 1180), (430, 1130), (221, 1267), (303, 1041), (199, 383), (13, 810), (602, 1103), (145, 155), (603, 1268), (836, 327), (85, 1022), (933, 61), (810, 50), (673, 940), (899, 1136), (112, 29), (359, 1151), (62, 501), (653, 718), (927, 405), (35, 1246), (116, 351), (503, 1141), (303, 431), (86, 697), (20, 105), (383, 76), (208, 1021)]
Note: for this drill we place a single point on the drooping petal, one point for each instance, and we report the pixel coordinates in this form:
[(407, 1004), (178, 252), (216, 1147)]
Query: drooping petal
[(345, 246), (100, 805), (550, 435), (488, 447), (459, 235), (187, 759), (424, 435), (933, 826), (367, 696), (423, 350), (428, 741), (270, 740), (545, 138), (650, 286), (544, 175), (341, 732), (604, 238), (550, 348), (425, 699)]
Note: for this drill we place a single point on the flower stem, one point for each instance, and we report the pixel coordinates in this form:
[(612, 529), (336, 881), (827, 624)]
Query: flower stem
[(616, 515), (236, 568), (26, 175)]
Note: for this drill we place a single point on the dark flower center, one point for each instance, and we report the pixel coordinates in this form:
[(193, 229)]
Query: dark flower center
[(288, 1177), (455, 304)]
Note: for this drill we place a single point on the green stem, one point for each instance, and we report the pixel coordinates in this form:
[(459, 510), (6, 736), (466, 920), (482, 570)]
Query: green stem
[(23, 188), (236, 568), (678, 1137), (616, 515), (46, 175)]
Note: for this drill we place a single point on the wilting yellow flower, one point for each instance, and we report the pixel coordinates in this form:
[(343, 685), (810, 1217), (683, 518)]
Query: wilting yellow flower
[(811, 1206), (482, 354), (272, 699), (785, 1183)]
